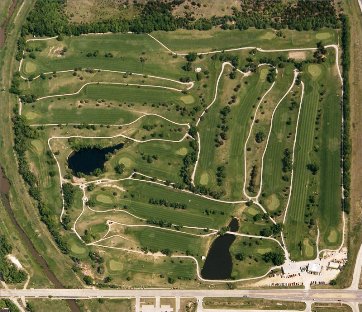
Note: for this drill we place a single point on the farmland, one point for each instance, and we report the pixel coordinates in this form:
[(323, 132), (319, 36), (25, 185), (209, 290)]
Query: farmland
[(181, 136)]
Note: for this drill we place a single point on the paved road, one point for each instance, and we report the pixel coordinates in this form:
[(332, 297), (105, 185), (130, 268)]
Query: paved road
[(318, 295)]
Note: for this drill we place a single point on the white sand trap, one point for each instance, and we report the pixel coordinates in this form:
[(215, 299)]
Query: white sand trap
[(15, 261)]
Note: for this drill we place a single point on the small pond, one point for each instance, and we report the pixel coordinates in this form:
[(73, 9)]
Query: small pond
[(88, 159), (218, 264)]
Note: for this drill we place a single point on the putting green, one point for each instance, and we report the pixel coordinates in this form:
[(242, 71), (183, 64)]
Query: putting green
[(105, 199), (187, 99), (126, 161), (182, 151), (267, 36), (115, 265), (323, 35), (252, 211), (30, 67), (75, 248), (308, 248), (314, 70), (272, 202), (333, 236), (31, 115), (38, 145), (204, 179), (263, 73)]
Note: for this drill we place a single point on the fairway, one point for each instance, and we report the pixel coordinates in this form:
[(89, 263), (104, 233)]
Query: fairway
[(171, 155)]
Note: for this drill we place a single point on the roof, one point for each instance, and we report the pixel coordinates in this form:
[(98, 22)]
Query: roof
[(314, 267), (333, 265), (291, 268)]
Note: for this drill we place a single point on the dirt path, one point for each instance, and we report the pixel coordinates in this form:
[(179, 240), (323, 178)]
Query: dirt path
[(4, 25)]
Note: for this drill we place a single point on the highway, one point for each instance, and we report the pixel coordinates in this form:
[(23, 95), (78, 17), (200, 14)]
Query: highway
[(317, 295)]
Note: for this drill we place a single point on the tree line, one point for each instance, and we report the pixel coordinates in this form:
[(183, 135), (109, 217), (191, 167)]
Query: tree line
[(48, 18)]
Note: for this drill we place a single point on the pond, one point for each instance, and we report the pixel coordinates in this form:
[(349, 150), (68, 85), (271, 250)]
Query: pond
[(218, 264), (88, 159)]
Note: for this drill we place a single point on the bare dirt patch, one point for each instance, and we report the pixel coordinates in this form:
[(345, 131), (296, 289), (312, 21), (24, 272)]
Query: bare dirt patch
[(297, 55)]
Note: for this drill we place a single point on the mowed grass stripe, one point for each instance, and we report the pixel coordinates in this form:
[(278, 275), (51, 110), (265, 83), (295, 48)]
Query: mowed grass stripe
[(126, 49), (330, 185), (295, 218), (239, 131), (278, 142)]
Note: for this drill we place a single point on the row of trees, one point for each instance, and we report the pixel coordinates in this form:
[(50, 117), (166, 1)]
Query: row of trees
[(166, 203), (22, 135), (48, 18), (346, 141)]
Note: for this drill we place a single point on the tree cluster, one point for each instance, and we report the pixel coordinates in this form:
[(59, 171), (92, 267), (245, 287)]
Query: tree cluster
[(346, 140), (277, 258), (9, 273), (166, 203), (22, 135)]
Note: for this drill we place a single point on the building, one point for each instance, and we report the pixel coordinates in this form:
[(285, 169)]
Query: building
[(333, 265), (314, 267), (291, 268)]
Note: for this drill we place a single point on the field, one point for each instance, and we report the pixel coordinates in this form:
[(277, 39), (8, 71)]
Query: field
[(191, 142)]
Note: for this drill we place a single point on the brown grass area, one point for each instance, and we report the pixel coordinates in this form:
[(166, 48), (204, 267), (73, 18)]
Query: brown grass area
[(95, 10), (325, 307), (250, 303), (206, 8), (298, 55)]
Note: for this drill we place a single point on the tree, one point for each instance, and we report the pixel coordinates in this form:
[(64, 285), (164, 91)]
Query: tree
[(277, 258), (313, 168), (191, 56), (259, 137), (143, 61), (88, 280), (119, 168), (239, 256)]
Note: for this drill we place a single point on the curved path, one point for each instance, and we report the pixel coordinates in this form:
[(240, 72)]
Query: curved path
[(160, 182)]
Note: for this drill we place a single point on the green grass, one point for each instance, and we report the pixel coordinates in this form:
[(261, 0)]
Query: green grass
[(250, 303), (158, 239), (252, 250), (320, 147), (212, 156), (215, 39), (126, 49), (110, 104), (106, 305), (137, 197), (45, 305), (274, 193), (262, 124), (4, 9), (122, 105)]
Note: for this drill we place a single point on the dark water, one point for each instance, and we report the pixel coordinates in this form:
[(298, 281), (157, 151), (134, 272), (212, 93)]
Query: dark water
[(4, 193), (218, 264), (86, 160)]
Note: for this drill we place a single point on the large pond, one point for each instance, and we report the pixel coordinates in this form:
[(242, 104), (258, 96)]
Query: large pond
[(88, 159), (218, 264)]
